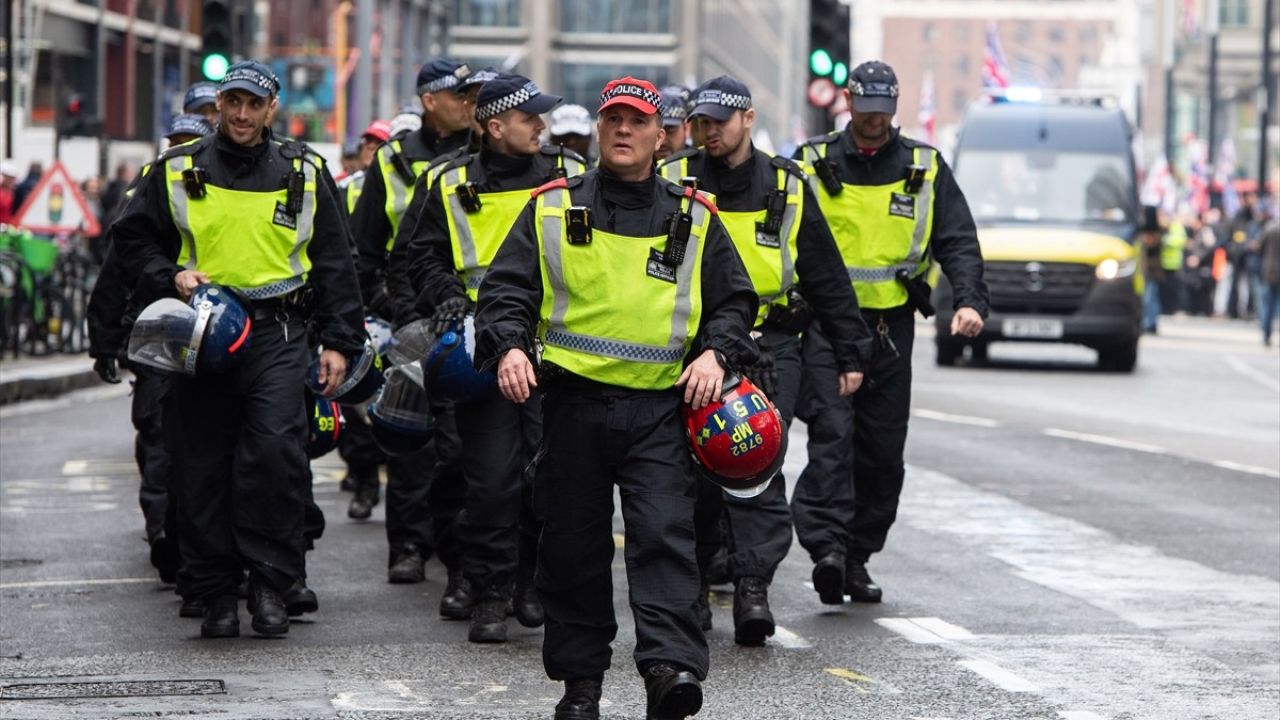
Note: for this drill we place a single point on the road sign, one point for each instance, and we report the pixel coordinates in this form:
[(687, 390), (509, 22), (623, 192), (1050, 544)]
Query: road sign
[(56, 206), (822, 92)]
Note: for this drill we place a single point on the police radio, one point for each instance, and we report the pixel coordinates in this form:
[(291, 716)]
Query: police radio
[(193, 180), (915, 179), (297, 189), (827, 176), (578, 220), (469, 196)]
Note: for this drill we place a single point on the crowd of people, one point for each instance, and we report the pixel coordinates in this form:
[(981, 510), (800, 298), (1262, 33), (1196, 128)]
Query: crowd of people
[(633, 283)]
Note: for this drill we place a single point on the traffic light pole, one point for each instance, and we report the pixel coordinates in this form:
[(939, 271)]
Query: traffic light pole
[(1266, 95)]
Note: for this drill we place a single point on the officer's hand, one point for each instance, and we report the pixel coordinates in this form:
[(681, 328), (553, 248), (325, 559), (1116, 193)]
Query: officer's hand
[(187, 281), (106, 369), (449, 313), (333, 369), (516, 378), (966, 322), (702, 381), (850, 382)]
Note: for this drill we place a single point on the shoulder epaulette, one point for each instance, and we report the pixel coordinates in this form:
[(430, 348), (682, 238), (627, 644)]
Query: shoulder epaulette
[(559, 150), (189, 148), (700, 196), (685, 153), (787, 165), (566, 183), (823, 139), (297, 149)]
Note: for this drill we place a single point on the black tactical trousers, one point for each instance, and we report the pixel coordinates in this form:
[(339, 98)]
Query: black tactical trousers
[(150, 390), (595, 437), (499, 439), (357, 448), (847, 497), (760, 528), (425, 493), (239, 465)]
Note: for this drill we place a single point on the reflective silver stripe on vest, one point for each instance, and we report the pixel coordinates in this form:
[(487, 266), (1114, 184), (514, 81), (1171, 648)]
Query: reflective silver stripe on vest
[(571, 166), (784, 235), (674, 171), (607, 347), (684, 279), (462, 228), (306, 222), (925, 203), (181, 216), (391, 178), (552, 240), (879, 274)]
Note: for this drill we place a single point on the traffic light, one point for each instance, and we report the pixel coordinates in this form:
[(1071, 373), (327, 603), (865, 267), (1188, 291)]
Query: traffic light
[(215, 33), (74, 120), (828, 50)]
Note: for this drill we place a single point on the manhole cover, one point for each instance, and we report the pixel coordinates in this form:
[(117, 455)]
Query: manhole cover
[(112, 689), (6, 563)]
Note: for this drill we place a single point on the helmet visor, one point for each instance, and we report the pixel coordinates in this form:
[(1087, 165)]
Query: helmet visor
[(403, 402), (166, 336), (411, 342)]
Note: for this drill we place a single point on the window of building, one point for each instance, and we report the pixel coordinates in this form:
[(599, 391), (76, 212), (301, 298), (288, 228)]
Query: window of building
[(581, 83), (1057, 34), (608, 16), (959, 100), (962, 32), (928, 32), (1056, 68), (1233, 13), (1023, 32), (486, 13), (1087, 34), (962, 65)]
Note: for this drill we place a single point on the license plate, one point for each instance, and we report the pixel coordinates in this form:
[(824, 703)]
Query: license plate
[(1038, 328)]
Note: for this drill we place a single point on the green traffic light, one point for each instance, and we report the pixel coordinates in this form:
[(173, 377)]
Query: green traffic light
[(820, 62), (840, 73), (214, 66)]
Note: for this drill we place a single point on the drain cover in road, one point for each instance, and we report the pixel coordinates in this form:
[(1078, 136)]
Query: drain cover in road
[(110, 689)]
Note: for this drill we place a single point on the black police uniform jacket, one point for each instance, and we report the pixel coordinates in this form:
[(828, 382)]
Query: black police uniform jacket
[(148, 243), (369, 224), (822, 279), (429, 247), (511, 293), (954, 242)]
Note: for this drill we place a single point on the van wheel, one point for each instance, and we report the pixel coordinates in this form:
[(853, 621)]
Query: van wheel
[(1118, 358), (949, 352)]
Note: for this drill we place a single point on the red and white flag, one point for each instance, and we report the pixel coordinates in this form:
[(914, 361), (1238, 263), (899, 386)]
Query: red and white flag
[(995, 72), (926, 116)]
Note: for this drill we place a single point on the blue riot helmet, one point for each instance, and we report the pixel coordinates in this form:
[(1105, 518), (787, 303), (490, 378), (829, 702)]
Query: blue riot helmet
[(449, 370), (326, 424), (401, 416), (210, 333), (363, 378)]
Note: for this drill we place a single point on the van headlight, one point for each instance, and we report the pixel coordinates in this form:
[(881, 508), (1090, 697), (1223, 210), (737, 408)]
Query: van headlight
[(1110, 269)]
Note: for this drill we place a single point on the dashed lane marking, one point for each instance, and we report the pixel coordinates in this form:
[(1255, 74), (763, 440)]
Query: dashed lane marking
[(958, 419), (74, 468), (1001, 678), (1251, 469), (73, 583), (1104, 440), (790, 640), (1252, 373), (911, 631)]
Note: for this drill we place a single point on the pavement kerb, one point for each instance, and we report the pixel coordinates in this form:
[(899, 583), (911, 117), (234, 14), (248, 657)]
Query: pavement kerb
[(30, 379)]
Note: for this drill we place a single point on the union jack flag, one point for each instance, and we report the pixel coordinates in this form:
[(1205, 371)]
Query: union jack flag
[(926, 116), (995, 72)]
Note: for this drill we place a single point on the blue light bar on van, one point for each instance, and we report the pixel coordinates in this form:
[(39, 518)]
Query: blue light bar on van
[(1023, 94)]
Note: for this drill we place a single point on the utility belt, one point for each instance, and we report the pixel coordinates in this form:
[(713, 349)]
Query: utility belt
[(558, 383), (295, 304), (790, 319)]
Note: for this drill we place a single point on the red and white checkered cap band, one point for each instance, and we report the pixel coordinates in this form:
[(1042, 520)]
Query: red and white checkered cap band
[(639, 92), (507, 102)]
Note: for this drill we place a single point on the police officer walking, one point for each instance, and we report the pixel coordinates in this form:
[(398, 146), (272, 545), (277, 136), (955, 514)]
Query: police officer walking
[(893, 206), (261, 218), (466, 216), (638, 301), (783, 239)]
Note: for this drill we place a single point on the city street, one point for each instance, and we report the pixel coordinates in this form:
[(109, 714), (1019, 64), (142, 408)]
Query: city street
[(1072, 545)]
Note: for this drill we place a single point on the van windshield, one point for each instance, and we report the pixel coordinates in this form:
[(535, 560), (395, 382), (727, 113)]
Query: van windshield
[(1046, 186)]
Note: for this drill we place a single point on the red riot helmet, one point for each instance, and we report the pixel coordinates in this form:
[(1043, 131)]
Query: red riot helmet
[(738, 441)]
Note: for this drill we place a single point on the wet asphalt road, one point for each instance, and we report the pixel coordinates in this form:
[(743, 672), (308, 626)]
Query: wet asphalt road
[(1072, 545)]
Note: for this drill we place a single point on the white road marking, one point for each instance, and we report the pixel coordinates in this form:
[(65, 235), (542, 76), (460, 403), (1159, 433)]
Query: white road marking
[(99, 467), (70, 583), (1104, 440), (1079, 715), (943, 629), (1251, 469), (911, 631), (1252, 373), (958, 419), (790, 640), (1002, 678)]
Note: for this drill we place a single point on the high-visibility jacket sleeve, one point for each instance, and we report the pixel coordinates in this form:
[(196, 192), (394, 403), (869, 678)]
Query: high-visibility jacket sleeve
[(511, 295)]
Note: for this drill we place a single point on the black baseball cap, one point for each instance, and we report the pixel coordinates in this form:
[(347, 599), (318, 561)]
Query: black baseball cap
[(252, 77), (198, 95), (719, 98), (674, 105), (442, 73), (874, 88), (512, 92), (477, 79), (188, 124)]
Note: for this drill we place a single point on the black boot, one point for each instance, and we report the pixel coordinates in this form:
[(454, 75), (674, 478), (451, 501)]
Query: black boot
[(299, 599), (581, 700), (673, 694), (752, 619), (192, 607), (362, 503), (408, 567), (527, 607), (270, 617), (858, 585), (489, 621), (828, 578), (459, 599), (704, 607), (221, 618), (718, 567)]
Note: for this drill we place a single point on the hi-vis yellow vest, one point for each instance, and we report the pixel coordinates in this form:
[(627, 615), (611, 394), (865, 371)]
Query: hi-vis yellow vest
[(608, 313), (879, 229), (244, 240), (476, 237), (353, 184), (770, 259), (399, 193)]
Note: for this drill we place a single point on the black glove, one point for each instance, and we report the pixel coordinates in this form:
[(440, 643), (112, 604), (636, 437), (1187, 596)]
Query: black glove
[(106, 369), (764, 374), (449, 312)]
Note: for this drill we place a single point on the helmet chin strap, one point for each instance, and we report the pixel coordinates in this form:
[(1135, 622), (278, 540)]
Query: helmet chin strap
[(203, 312)]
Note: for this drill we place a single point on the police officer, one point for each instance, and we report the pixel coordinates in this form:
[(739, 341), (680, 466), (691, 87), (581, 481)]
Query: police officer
[(638, 301), (215, 211), (110, 315), (472, 204), (783, 239), (389, 188), (202, 99), (893, 206), (571, 128), (675, 120)]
